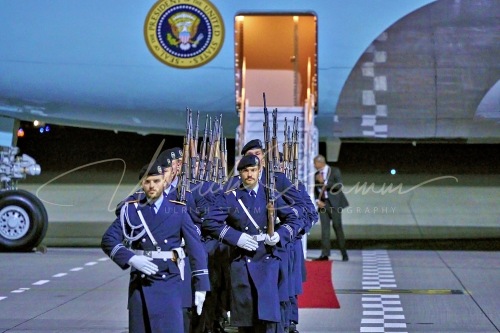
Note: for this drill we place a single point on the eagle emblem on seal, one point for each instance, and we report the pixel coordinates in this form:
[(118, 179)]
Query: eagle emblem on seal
[(184, 26)]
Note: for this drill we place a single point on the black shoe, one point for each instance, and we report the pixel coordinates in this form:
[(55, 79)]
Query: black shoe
[(321, 258), (345, 257), (292, 328)]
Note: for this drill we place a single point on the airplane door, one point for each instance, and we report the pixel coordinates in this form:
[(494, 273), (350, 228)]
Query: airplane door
[(275, 54)]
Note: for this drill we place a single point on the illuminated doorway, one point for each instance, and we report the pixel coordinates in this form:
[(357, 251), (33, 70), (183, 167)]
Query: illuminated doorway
[(275, 54)]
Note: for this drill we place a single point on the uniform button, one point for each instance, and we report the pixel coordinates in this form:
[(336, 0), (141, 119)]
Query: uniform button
[(143, 276), (165, 241), (165, 259), (144, 240), (246, 228), (265, 227), (249, 260), (163, 276), (267, 257)]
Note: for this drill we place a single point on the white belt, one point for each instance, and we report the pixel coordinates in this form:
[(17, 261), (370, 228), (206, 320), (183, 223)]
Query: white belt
[(177, 255), (156, 254), (259, 238)]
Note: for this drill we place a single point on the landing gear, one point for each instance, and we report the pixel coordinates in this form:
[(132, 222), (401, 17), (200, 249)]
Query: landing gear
[(23, 218), (23, 221)]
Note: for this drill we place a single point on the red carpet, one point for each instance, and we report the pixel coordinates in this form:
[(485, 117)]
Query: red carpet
[(318, 290)]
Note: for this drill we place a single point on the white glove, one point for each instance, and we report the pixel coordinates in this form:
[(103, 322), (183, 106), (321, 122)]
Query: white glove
[(144, 264), (247, 242), (199, 298), (272, 240)]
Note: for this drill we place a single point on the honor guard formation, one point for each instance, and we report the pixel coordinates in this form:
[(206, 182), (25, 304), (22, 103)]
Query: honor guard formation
[(212, 252)]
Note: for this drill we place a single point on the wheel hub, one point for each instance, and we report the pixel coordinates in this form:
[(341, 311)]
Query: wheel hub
[(14, 222)]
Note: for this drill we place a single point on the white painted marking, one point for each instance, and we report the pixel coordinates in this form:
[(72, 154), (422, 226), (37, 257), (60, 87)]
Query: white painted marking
[(368, 121), (381, 110), (368, 97), (382, 37), (18, 291), (380, 56), (92, 263), (372, 330), (393, 309), (76, 269), (59, 275), (380, 83), (2, 297), (394, 325), (370, 49), (380, 128), (394, 317), (103, 259), (368, 69), (382, 278), (372, 321), (40, 282), (370, 282), (370, 299), (373, 313), (372, 306)]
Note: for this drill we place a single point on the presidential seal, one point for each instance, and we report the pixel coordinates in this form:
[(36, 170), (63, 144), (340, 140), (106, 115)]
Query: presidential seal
[(184, 33)]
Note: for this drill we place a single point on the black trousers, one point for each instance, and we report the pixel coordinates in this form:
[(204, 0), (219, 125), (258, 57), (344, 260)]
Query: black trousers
[(327, 214)]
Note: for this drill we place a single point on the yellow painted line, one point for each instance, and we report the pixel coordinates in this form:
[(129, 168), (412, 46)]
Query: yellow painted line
[(403, 291)]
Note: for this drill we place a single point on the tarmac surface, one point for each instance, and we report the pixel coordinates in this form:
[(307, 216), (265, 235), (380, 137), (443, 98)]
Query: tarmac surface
[(424, 252), (379, 290)]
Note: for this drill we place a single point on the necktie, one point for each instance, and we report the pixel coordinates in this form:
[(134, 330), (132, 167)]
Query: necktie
[(253, 194), (153, 211)]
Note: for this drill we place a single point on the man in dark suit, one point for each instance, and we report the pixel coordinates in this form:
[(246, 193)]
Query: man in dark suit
[(330, 200)]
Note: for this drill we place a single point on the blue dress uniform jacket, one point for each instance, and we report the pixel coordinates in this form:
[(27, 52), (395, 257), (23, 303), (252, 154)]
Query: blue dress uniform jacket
[(155, 301), (254, 274)]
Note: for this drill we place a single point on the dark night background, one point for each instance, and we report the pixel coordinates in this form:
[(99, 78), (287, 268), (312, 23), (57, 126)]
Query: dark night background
[(64, 148)]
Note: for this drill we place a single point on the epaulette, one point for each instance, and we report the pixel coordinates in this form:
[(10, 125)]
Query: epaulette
[(231, 190), (234, 188), (132, 201)]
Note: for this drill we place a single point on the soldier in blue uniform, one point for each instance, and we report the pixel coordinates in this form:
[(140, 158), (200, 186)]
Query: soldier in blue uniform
[(171, 161), (205, 196), (153, 227), (298, 269), (296, 260), (293, 198), (240, 220)]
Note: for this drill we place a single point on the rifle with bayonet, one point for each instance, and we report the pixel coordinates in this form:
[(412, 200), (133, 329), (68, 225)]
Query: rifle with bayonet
[(184, 175), (223, 159), (216, 152), (201, 167), (270, 181), (295, 152), (276, 152), (286, 157), (210, 153), (194, 148)]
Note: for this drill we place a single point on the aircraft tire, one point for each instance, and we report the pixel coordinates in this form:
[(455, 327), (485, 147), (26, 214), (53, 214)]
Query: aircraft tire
[(23, 221)]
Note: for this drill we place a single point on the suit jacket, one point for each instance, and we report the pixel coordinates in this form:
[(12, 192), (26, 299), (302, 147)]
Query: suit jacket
[(333, 189)]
